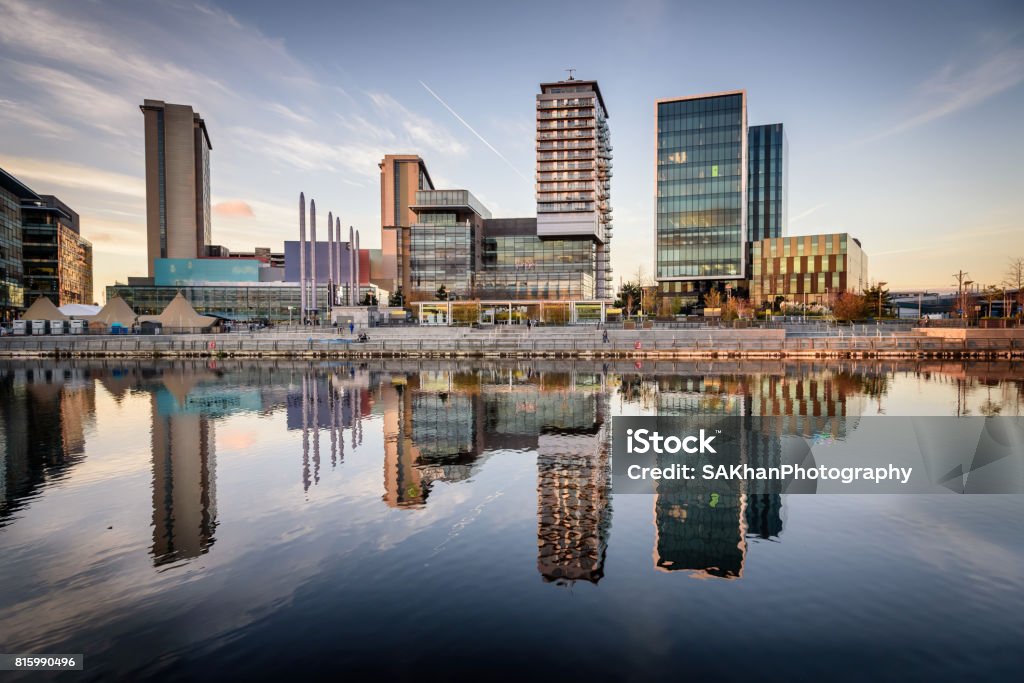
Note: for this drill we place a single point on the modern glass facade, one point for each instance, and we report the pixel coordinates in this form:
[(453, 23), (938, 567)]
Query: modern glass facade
[(57, 259), (444, 243), (701, 217), (527, 267), (809, 269), (237, 302), (442, 253), (767, 161), (12, 293)]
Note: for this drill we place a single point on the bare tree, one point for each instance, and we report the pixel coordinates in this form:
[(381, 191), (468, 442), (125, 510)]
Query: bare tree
[(1014, 280)]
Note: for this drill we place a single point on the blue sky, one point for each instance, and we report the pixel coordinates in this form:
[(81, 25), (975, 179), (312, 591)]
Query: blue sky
[(903, 118)]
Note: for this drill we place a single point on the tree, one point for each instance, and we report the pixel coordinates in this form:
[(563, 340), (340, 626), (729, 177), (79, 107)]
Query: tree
[(712, 299), (397, 298), (849, 306), (629, 298), (369, 299), (735, 308), (876, 300), (442, 293), (991, 294), (1015, 280)]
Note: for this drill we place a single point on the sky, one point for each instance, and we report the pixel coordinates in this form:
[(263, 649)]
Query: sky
[(903, 119)]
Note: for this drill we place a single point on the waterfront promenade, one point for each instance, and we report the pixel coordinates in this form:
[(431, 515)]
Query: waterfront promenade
[(543, 342)]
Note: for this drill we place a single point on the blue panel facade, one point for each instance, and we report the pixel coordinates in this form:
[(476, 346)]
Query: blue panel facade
[(178, 271)]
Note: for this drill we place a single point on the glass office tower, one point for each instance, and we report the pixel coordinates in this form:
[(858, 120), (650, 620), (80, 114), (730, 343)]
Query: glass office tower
[(767, 157), (701, 212)]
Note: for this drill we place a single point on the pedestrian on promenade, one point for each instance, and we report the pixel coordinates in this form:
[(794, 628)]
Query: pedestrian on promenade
[(604, 336), (351, 326)]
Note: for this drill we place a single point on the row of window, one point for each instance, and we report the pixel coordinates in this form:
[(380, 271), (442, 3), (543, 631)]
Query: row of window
[(720, 153), (699, 187), (701, 104), (705, 204), (710, 136), (695, 122)]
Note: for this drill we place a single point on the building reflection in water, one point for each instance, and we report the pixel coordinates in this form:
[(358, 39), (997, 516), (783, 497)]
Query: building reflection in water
[(702, 527), (44, 413), (184, 468), (439, 423), (332, 398)]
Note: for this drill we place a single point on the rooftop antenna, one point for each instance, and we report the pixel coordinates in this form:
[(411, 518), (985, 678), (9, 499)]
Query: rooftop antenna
[(572, 74)]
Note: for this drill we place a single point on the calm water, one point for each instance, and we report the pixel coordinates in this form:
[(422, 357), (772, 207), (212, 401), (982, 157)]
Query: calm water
[(409, 520)]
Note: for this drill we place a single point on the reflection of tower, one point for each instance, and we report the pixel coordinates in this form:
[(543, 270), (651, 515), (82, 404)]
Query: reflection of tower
[(403, 486), (700, 529), (573, 511), (184, 488)]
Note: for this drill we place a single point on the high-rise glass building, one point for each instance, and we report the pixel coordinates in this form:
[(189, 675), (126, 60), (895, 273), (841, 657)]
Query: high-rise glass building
[(767, 160), (12, 293), (177, 181), (574, 170), (701, 197)]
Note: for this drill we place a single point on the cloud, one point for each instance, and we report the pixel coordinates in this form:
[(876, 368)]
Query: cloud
[(807, 212), (17, 113), (419, 130), (84, 46), (473, 131), (234, 208), (48, 177), (288, 113), (958, 86), (308, 153)]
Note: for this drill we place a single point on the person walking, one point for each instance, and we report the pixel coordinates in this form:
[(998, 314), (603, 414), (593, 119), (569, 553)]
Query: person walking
[(604, 336), (351, 326)]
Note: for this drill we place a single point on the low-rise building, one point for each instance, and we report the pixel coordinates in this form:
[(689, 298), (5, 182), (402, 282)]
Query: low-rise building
[(807, 269)]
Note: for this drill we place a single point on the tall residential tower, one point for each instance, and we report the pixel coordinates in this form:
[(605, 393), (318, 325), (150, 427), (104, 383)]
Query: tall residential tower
[(574, 170), (177, 182)]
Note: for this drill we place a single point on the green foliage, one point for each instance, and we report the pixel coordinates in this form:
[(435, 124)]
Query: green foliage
[(630, 298), (872, 306)]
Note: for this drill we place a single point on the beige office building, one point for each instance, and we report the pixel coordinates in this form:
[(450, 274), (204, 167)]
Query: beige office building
[(401, 177), (177, 181)]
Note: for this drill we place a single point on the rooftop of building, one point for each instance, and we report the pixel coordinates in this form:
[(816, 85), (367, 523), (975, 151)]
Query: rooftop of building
[(160, 104), (409, 158), (449, 199), (703, 96), (15, 186), (546, 88)]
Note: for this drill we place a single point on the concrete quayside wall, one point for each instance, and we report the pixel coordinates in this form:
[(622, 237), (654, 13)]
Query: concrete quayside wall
[(539, 342)]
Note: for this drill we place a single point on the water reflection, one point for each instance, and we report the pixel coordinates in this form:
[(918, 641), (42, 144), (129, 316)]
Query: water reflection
[(441, 421), (44, 412)]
